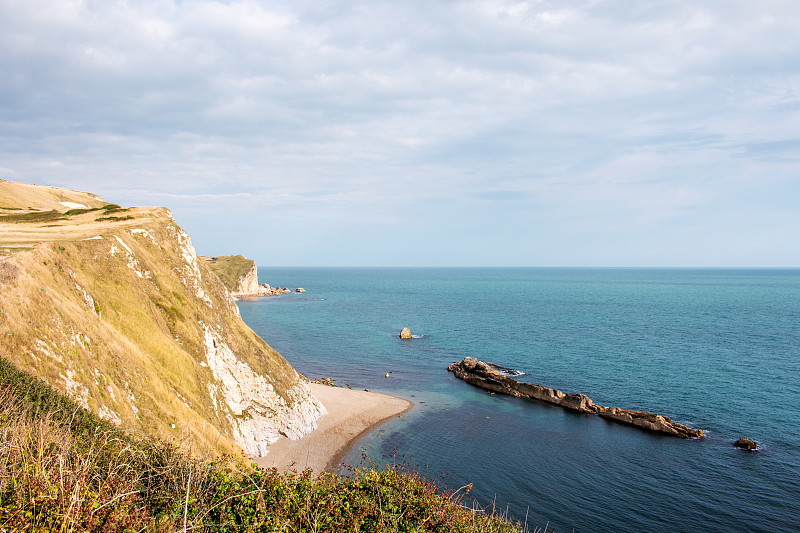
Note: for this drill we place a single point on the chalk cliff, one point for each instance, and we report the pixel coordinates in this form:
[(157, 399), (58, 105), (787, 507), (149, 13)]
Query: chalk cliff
[(113, 307), (240, 275), (248, 284)]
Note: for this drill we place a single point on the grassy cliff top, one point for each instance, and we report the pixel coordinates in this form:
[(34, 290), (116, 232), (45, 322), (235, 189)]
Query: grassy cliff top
[(229, 268), (26, 197), (34, 214)]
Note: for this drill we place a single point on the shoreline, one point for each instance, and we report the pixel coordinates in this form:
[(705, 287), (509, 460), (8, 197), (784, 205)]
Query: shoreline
[(351, 415)]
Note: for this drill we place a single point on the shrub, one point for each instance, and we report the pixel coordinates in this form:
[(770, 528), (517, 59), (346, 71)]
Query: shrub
[(80, 211), (114, 219), (36, 216)]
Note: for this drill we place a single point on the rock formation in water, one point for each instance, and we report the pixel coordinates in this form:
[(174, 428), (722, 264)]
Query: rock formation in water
[(746, 444), (491, 377), (113, 307)]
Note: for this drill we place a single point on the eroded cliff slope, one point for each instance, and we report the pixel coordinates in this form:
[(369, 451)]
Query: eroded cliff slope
[(113, 307)]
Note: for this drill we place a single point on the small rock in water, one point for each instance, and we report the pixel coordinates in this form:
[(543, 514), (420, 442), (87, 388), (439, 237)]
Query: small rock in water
[(746, 444), (405, 334)]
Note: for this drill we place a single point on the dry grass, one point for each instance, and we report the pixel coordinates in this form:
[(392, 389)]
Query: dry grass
[(29, 197)]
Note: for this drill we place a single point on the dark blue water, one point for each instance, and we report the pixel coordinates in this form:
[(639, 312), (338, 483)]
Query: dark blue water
[(714, 349)]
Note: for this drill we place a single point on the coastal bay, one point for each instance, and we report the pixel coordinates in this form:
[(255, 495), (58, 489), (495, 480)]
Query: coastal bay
[(713, 349)]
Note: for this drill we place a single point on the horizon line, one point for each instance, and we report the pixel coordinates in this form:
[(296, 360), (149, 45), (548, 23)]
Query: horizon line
[(546, 267)]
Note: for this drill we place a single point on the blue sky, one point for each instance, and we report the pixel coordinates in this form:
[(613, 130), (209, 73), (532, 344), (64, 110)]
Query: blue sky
[(491, 133)]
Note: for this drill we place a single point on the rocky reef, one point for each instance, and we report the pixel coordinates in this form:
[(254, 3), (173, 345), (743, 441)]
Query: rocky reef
[(266, 290), (493, 378)]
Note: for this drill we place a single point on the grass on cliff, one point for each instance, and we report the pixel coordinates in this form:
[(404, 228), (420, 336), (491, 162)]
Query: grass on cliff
[(64, 469), (229, 269), (33, 217), (134, 344)]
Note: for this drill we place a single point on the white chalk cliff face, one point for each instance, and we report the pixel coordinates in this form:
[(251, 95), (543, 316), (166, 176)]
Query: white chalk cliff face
[(128, 322), (248, 284), (257, 415)]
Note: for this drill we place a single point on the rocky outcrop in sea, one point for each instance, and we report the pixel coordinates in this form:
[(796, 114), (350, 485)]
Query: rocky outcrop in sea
[(746, 444), (494, 378), (264, 290)]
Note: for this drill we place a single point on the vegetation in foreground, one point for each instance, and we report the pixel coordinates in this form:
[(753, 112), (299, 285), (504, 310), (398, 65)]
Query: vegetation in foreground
[(64, 469)]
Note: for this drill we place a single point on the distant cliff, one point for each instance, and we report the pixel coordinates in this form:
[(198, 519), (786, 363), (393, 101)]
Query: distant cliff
[(238, 273), (112, 306), (240, 276)]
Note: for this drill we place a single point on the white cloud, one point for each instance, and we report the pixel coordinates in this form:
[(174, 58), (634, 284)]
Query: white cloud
[(350, 112)]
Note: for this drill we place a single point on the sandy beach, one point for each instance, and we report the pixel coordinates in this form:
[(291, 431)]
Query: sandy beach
[(351, 414)]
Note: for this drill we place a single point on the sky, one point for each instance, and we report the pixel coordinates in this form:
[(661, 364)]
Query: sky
[(421, 133)]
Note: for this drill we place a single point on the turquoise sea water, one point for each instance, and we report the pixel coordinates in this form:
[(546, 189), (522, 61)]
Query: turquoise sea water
[(714, 349)]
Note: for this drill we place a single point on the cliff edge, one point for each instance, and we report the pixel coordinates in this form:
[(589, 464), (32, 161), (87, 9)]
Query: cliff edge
[(240, 276), (113, 307), (238, 273)]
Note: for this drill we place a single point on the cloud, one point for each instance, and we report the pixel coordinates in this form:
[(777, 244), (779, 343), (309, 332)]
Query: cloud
[(593, 114)]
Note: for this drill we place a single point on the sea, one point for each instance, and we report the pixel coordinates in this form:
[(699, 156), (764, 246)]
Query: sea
[(716, 349)]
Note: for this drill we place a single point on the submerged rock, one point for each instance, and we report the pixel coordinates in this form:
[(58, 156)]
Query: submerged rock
[(405, 334), (746, 444), (490, 377)]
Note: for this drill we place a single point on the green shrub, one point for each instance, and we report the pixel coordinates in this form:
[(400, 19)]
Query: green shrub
[(38, 216), (80, 211), (114, 219)]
